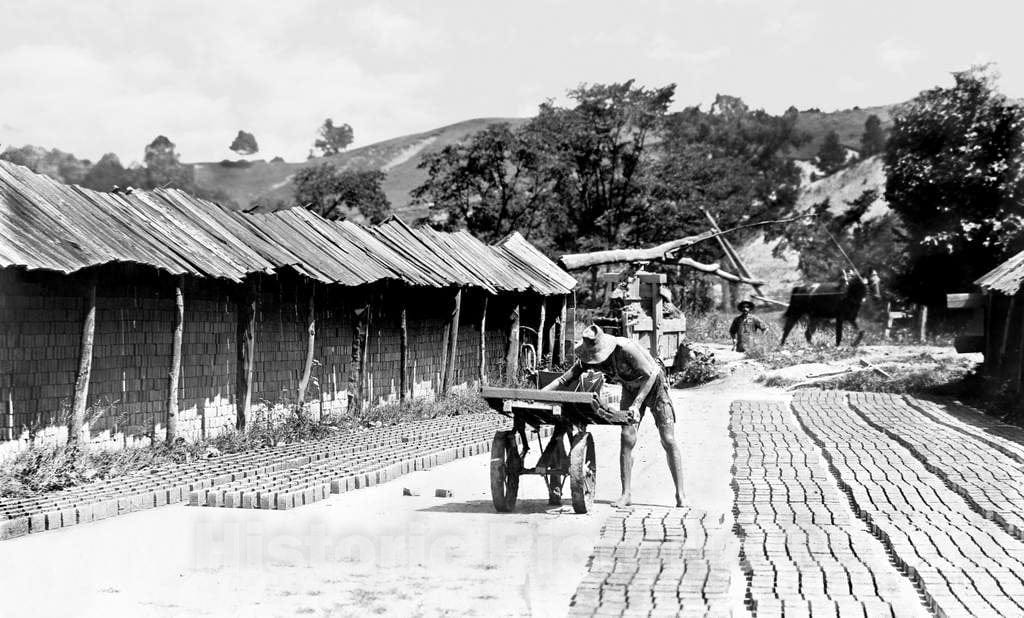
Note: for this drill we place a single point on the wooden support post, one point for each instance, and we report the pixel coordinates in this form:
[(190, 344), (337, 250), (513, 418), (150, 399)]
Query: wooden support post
[(655, 320), (78, 404), (448, 374), (1006, 331), (1020, 354), (403, 351), (171, 422), (730, 252), (922, 325), (307, 366), (355, 365), (246, 346), (540, 330), (558, 346), (483, 341), (512, 353)]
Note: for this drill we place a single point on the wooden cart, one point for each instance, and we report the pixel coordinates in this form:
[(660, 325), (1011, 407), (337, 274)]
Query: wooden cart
[(568, 413)]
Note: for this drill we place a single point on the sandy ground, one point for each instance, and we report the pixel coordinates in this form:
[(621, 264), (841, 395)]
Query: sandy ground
[(371, 551)]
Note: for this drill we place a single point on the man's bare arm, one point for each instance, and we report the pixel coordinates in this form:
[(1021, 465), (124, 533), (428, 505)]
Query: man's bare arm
[(651, 368), (569, 376)]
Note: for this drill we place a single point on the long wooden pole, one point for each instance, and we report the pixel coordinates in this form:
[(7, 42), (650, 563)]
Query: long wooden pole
[(81, 395), (174, 374), (307, 366), (453, 341), (246, 346), (403, 351), (541, 335), (1006, 331), (483, 342), (730, 252), (558, 340), (512, 352)]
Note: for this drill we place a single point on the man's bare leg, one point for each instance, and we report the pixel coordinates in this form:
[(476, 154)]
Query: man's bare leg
[(628, 441), (675, 459)]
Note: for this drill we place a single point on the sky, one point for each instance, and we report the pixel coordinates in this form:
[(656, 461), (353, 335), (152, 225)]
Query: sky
[(91, 77)]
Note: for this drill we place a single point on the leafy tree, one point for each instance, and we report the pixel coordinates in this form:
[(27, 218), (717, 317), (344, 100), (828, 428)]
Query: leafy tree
[(333, 139), (164, 168), (872, 142), (335, 194), (494, 183), (108, 173), (245, 144), (55, 163), (955, 176), (832, 155)]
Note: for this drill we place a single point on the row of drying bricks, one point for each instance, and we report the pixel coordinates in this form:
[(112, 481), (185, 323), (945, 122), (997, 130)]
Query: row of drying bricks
[(159, 487)]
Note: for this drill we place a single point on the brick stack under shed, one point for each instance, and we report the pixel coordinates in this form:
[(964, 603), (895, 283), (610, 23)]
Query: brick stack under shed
[(242, 276)]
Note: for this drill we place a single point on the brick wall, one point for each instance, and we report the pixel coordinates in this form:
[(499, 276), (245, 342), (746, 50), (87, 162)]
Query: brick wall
[(40, 331)]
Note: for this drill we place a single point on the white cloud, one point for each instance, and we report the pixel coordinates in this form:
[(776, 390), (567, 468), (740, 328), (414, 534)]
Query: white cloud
[(896, 55)]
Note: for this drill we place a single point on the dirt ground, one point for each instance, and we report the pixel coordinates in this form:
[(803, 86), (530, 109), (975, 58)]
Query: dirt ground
[(372, 551)]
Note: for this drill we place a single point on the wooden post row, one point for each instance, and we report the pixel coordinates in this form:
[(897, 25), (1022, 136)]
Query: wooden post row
[(307, 367), (482, 377), (540, 329), (171, 421), (512, 353), (246, 346), (448, 373), (78, 403), (403, 328)]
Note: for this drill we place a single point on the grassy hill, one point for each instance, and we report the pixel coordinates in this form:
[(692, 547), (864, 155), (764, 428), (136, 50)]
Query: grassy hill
[(266, 184)]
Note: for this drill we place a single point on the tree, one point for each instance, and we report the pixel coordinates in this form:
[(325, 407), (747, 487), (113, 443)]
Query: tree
[(244, 144), (832, 155), (164, 168), (494, 183), (333, 139), (955, 176), (107, 173), (335, 194), (872, 142)]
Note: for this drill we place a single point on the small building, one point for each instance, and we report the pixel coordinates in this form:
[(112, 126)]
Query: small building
[(135, 310), (999, 330)]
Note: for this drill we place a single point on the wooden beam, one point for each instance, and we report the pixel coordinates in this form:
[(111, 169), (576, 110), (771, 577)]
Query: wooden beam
[(453, 340), (81, 395), (558, 346), (574, 261), (1006, 330), (716, 270), (482, 377), (540, 330), (403, 350), (655, 317), (730, 252), (512, 352), (246, 348), (171, 422), (922, 323), (307, 365)]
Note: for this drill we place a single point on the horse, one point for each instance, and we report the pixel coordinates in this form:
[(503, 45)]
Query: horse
[(825, 301)]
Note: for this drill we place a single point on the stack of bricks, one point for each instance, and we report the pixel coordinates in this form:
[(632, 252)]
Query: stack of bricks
[(657, 561), (355, 461), (803, 552), (279, 477), (963, 563)]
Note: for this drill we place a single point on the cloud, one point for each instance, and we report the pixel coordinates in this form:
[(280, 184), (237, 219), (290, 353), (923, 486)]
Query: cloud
[(665, 48), (794, 27), (896, 55)]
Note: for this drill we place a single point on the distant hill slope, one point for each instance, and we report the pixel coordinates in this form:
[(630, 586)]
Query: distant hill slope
[(781, 272), (270, 183)]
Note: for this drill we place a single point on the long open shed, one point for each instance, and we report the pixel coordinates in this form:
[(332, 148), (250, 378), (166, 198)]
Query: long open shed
[(132, 310)]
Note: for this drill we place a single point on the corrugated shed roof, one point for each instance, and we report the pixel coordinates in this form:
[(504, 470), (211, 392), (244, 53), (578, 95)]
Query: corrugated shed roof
[(1005, 278), (48, 225)]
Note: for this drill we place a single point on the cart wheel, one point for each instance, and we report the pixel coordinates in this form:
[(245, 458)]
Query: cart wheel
[(583, 473), (505, 467)]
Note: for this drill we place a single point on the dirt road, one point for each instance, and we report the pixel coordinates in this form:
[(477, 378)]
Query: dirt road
[(369, 551)]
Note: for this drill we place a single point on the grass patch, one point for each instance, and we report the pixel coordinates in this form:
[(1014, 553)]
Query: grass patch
[(42, 469), (921, 374)]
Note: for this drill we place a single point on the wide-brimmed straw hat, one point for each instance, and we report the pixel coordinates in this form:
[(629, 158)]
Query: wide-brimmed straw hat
[(595, 345), (744, 303)]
